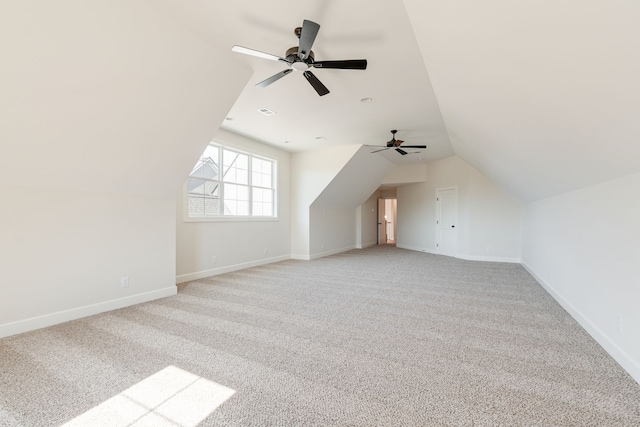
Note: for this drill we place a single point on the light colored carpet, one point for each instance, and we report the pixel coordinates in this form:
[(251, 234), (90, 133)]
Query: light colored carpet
[(374, 337)]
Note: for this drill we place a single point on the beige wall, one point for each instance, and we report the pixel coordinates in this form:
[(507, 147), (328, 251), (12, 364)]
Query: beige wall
[(63, 253), (102, 120), (487, 217), (583, 246)]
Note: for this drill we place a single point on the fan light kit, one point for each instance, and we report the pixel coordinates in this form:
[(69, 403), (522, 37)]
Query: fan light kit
[(302, 58)]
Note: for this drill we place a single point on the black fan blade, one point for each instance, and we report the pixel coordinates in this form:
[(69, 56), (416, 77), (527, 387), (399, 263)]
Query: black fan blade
[(257, 53), (273, 78), (382, 149), (307, 37), (350, 64), (317, 84), (401, 151), (414, 146)]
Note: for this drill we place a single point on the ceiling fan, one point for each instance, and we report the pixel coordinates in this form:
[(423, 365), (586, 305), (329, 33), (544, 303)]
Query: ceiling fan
[(301, 58), (395, 143)]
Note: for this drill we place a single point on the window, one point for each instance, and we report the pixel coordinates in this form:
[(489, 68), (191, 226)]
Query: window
[(229, 183)]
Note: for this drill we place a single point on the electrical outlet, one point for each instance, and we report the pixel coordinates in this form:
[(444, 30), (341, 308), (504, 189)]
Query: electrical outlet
[(124, 282), (488, 249), (266, 251), (213, 259), (619, 326)]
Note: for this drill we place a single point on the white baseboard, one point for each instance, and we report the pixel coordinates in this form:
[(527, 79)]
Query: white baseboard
[(465, 257), (332, 252), (43, 321), (489, 258), (620, 356), (366, 245), (301, 257), (416, 248), (229, 268)]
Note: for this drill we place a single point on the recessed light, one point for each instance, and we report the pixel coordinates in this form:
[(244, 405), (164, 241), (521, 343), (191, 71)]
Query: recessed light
[(229, 118), (366, 100), (266, 111), (287, 142), (321, 138)]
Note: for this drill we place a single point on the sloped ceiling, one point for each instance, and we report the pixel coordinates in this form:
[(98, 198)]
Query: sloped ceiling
[(106, 96), (355, 182), (541, 96)]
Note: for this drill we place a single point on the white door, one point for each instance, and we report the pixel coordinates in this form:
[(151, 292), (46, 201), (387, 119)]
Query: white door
[(446, 221)]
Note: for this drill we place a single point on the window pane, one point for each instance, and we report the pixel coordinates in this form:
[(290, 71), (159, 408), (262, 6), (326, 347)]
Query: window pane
[(235, 167), (236, 199), (261, 173), (262, 204), (202, 187), (207, 166), (206, 201)]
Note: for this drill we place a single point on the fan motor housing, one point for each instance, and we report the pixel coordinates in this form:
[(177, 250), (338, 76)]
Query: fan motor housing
[(292, 55)]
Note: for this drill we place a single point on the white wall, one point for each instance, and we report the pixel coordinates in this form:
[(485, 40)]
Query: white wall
[(105, 107), (311, 172), (487, 217), (332, 230), (495, 220), (327, 188), (367, 222), (333, 222), (406, 174), (236, 244), (63, 253), (583, 246)]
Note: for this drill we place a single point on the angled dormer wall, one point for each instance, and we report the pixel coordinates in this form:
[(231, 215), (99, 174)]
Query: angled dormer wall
[(105, 107), (328, 187)]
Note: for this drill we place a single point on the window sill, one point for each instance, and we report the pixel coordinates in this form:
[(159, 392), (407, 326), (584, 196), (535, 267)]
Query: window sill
[(232, 219)]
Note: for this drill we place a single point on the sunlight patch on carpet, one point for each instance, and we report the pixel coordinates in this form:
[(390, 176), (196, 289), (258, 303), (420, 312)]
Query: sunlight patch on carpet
[(171, 397)]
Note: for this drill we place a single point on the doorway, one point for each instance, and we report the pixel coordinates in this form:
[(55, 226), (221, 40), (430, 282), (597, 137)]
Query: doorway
[(387, 221), (446, 221)]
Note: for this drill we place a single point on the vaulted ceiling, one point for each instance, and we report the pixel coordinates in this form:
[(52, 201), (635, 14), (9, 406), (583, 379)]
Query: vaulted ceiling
[(540, 96)]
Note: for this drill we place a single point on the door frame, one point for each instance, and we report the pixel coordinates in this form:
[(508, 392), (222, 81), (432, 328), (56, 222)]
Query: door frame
[(381, 222), (438, 213), (380, 218)]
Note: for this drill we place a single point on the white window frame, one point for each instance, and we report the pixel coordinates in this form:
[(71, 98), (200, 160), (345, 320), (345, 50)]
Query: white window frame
[(250, 216)]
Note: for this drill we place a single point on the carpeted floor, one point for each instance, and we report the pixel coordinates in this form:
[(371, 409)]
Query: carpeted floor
[(374, 337)]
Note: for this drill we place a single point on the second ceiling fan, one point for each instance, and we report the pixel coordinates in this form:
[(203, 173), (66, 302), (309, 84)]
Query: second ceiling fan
[(302, 58), (396, 143)]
